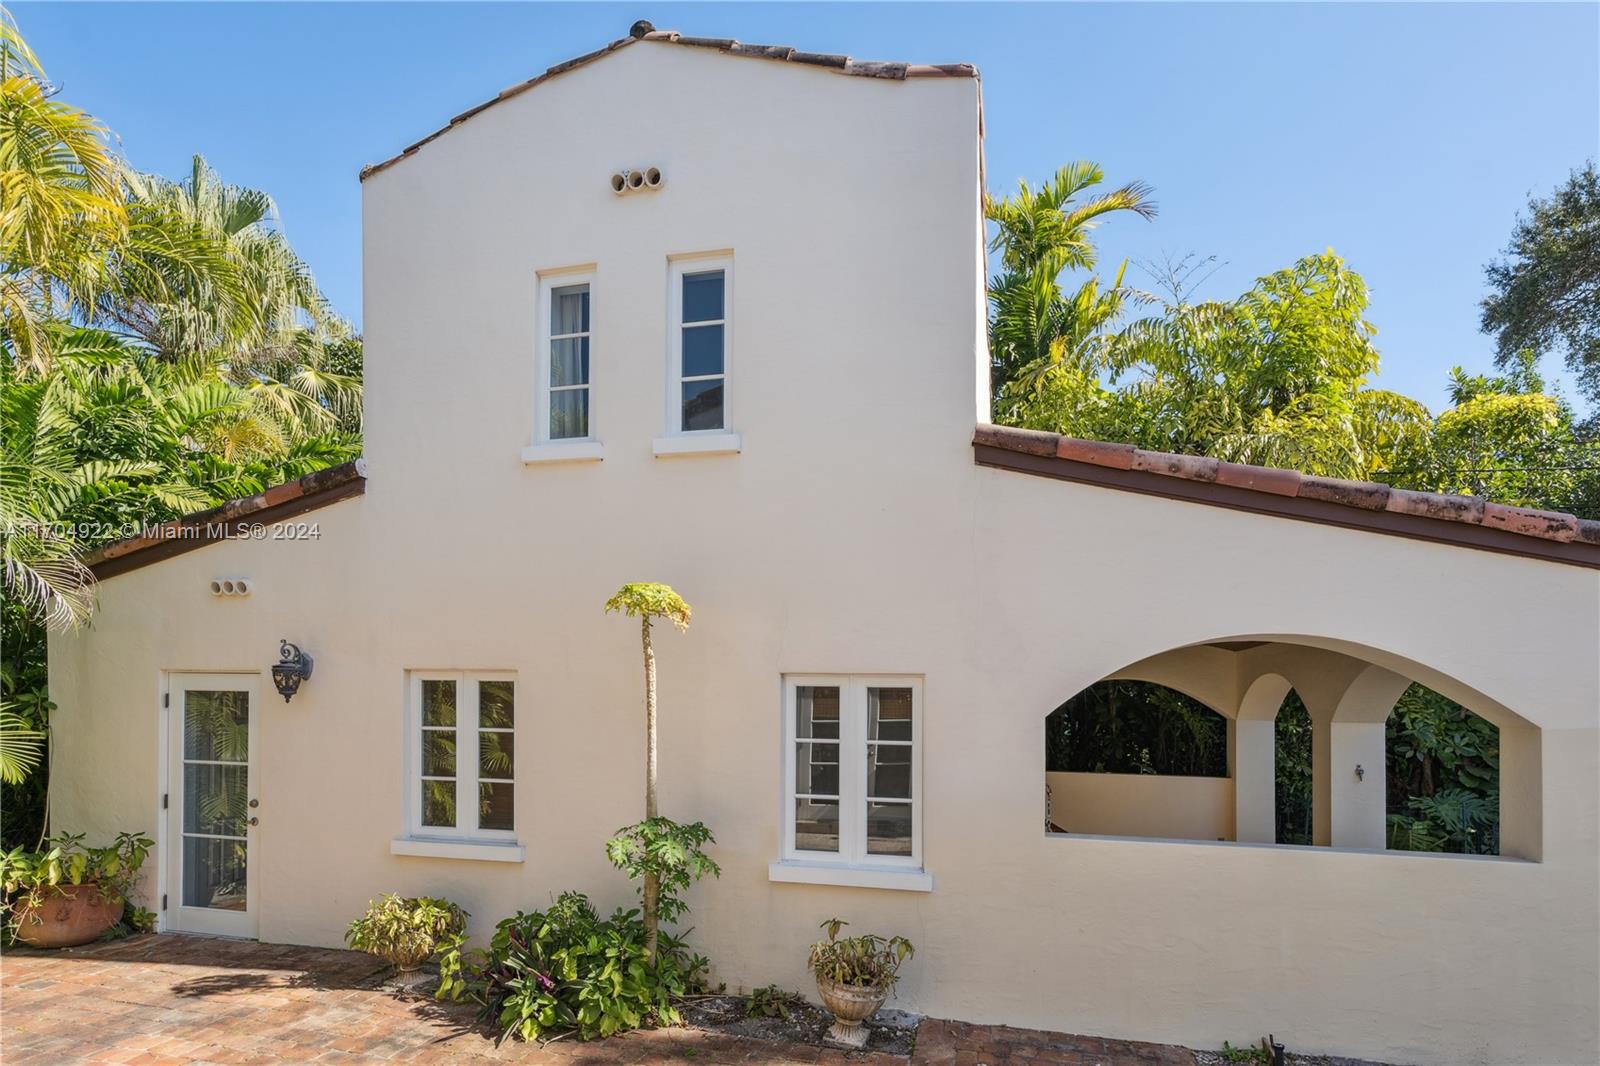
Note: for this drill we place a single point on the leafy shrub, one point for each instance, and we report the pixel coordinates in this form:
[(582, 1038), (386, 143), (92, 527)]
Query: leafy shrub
[(770, 1001), (408, 931), (859, 961), (566, 969), (673, 853), (29, 878)]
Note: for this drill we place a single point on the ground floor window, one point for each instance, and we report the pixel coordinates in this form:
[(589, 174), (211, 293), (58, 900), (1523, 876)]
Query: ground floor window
[(852, 770), (462, 754)]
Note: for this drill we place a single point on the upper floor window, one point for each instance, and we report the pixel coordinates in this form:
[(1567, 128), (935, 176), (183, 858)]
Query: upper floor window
[(462, 755), (852, 770), (564, 357), (701, 327)]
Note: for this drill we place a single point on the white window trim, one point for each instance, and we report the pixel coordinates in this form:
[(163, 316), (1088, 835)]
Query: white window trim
[(544, 448), (466, 758), (852, 865), (676, 440), (457, 849)]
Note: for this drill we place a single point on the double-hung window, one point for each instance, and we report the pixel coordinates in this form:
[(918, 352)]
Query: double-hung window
[(852, 775), (562, 409), (700, 344), (463, 756)]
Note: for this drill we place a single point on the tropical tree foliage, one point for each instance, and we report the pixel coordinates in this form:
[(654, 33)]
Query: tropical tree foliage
[(1546, 292), (162, 349), (1135, 727)]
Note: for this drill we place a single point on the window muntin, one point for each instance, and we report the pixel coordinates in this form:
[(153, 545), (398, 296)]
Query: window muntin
[(852, 773), (700, 330), (463, 755), (565, 337), (569, 362)]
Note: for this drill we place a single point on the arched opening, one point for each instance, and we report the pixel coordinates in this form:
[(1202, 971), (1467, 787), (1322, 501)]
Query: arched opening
[(1292, 735), (1443, 776), (1294, 741), (1135, 758)]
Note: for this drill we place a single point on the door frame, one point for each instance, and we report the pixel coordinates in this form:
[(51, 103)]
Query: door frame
[(171, 915)]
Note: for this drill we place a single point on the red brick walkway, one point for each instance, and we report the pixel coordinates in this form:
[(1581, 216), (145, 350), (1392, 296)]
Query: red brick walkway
[(173, 999)]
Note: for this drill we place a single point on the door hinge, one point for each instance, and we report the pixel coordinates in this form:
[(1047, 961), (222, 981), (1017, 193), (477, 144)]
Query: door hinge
[(166, 699), (164, 801), (163, 901)]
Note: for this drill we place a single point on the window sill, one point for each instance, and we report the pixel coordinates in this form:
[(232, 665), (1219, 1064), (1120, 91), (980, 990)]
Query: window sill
[(821, 873), (456, 849), (701, 443), (564, 451)]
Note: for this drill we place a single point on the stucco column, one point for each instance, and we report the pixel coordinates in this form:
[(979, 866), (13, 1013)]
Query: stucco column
[(1255, 797), (1321, 774), (1357, 774), (1356, 784)]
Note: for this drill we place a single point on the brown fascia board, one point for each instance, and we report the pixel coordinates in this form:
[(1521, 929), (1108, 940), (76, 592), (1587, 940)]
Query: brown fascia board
[(1283, 494), (838, 64), (230, 521)]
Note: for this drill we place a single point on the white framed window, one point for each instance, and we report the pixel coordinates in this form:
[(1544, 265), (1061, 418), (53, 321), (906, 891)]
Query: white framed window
[(563, 410), (461, 756), (699, 356), (852, 778)]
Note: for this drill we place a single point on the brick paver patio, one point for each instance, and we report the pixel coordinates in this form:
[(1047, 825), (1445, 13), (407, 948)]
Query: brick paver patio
[(175, 999)]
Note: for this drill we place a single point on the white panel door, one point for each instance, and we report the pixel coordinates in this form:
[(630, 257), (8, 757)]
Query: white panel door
[(212, 814)]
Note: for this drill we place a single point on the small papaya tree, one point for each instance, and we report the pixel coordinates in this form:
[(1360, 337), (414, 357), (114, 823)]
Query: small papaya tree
[(658, 850)]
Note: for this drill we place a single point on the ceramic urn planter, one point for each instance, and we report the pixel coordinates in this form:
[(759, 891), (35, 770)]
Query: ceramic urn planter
[(850, 1005), (68, 916)]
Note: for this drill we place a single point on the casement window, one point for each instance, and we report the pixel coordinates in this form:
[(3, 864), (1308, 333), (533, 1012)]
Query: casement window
[(852, 777), (563, 412), (700, 347), (462, 780)]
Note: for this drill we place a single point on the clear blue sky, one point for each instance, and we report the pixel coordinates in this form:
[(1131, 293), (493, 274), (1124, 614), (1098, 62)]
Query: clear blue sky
[(1405, 137)]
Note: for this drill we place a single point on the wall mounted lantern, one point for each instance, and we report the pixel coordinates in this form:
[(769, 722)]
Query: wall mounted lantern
[(293, 666)]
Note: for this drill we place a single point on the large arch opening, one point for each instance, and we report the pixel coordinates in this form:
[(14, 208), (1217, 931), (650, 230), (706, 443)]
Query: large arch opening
[(1443, 776), (1271, 741), (1136, 758)]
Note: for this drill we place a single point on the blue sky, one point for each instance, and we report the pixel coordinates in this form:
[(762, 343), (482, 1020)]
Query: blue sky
[(1406, 137)]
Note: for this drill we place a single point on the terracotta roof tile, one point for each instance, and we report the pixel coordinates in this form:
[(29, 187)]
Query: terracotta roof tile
[(1551, 525), (1260, 478), (1100, 453), (1366, 494), (1189, 467), (643, 31), (218, 523), (1436, 505), (1465, 520)]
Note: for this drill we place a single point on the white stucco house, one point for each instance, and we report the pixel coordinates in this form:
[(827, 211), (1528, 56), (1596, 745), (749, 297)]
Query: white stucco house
[(758, 373)]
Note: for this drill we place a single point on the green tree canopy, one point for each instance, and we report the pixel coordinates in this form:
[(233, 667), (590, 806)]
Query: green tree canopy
[(1546, 292)]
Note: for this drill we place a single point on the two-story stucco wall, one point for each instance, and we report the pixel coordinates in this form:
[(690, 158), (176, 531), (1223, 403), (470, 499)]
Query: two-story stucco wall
[(852, 534)]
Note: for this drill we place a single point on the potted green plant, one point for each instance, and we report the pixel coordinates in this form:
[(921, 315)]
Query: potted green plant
[(854, 977), (66, 894), (407, 930)]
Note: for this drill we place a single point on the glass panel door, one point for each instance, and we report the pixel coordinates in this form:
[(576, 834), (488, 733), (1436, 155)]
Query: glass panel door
[(211, 805)]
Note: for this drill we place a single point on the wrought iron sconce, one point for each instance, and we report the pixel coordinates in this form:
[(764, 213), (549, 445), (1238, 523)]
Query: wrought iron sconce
[(293, 666)]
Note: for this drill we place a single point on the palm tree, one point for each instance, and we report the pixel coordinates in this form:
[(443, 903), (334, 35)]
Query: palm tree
[(648, 601), (60, 201), (1035, 327), (258, 309)]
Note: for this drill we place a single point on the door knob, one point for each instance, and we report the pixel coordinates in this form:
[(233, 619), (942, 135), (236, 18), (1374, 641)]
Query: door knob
[(255, 821), (255, 803)]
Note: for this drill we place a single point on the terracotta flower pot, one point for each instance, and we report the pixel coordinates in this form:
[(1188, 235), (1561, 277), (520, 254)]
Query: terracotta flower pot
[(67, 916), (850, 1005)]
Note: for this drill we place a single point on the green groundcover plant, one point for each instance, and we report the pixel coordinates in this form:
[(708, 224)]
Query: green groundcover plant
[(566, 969)]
